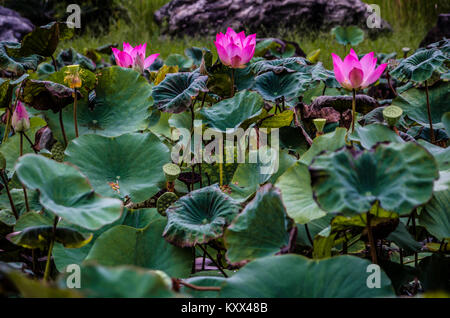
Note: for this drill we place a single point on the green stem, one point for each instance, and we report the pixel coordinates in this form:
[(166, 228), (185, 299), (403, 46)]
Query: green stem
[(429, 113), (353, 110), (214, 261), (75, 112), (50, 249), (309, 235), (373, 251), (11, 202), (23, 187), (63, 131), (29, 141), (232, 82)]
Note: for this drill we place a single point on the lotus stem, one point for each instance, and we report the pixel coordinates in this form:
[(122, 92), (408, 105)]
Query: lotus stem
[(388, 75), (50, 249), (8, 125), (214, 261), (309, 235), (232, 82), (63, 131), (11, 202), (373, 251), (353, 110), (220, 173), (75, 112), (283, 103), (324, 89), (193, 262), (429, 113), (413, 218), (203, 261), (30, 142), (25, 196), (55, 65), (199, 288)]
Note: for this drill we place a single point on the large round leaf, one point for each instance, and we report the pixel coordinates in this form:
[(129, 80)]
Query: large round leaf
[(261, 229), (122, 281), (274, 87), (176, 93), (134, 161), (295, 276), (125, 245), (121, 105), (67, 193), (370, 135), (350, 35), (11, 62), (199, 217), (331, 141), (414, 104), (231, 113), (435, 216), (399, 176), (295, 186), (420, 66)]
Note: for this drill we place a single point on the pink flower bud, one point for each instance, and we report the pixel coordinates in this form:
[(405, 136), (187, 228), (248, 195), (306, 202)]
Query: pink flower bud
[(20, 119)]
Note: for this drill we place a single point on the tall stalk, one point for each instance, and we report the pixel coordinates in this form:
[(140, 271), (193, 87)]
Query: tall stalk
[(373, 251), (232, 82), (75, 112), (50, 249), (25, 196), (353, 110), (429, 113)]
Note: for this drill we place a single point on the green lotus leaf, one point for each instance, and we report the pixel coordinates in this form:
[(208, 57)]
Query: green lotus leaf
[(261, 229), (441, 155), (248, 176), (370, 135), (7, 87), (295, 276), (295, 186), (195, 54), (262, 47), (44, 40), (65, 58), (65, 192), (282, 119), (290, 65), (319, 73), (134, 161), (184, 63), (331, 141), (399, 175), (121, 105), (199, 217), (121, 282), (273, 87), (41, 236), (177, 91), (17, 64), (414, 104), (231, 113), (420, 66), (10, 149), (45, 95), (209, 281), (446, 122), (350, 35), (435, 216), (402, 238), (124, 245)]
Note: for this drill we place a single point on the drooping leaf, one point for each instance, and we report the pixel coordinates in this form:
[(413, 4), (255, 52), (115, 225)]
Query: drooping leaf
[(18, 65), (420, 66), (231, 113), (177, 91), (124, 245), (435, 216), (133, 161), (414, 104), (295, 186), (199, 217), (295, 276), (290, 65), (400, 176), (66, 192), (261, 229)]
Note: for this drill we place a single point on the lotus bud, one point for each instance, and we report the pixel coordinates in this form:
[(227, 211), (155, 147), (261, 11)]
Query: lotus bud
[(319, 123), (392, 114), (20, 119), (73, 78), (171, 171)]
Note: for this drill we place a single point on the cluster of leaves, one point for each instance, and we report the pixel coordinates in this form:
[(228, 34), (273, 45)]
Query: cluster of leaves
[(305, 229)]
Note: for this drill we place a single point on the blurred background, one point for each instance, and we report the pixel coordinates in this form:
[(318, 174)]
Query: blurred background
[(114, 21)]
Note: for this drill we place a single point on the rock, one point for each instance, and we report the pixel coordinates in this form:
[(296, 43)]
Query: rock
[(440, 31), (13, 26), (194, 17)]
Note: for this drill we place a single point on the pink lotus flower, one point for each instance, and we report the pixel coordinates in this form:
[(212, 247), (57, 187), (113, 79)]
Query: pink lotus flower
[(20, 119), (353, 73), (235, 49), (134, 57)]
